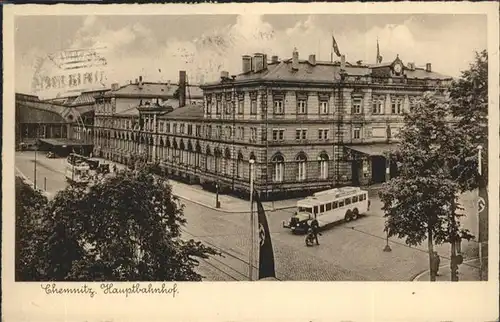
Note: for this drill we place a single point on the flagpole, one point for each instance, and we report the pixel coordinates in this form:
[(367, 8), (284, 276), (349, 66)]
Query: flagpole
[(479, 169), (250, 261)]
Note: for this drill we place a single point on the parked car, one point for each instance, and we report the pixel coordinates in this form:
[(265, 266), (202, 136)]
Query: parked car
[(51, 155)]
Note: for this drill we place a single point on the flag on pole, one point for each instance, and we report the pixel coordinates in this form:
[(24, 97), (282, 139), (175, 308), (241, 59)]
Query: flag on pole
[(335, 47), (266, 255)]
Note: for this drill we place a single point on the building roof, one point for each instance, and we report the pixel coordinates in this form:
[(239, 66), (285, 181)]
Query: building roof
[(86, 98), (322, 72), (186, 112), (31, 114), (154, 90)]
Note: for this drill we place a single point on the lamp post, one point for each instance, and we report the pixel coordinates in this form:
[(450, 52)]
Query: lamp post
[(252, 224)]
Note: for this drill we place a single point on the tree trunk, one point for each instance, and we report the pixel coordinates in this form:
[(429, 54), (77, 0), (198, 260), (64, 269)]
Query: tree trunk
[(431, 254)]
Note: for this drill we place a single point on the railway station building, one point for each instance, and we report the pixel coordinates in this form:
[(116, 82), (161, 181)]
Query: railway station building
[(308, 125)]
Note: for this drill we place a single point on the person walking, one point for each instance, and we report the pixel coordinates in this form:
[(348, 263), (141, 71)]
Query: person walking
[(315, 229), (435, 262)]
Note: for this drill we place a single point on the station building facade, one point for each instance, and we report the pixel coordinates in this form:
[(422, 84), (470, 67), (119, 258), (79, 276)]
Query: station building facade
[(308, 125)]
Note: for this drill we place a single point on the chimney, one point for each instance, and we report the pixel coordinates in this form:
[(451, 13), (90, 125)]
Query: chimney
[(428, 67), (224, 75), (274, 59), (295, 60), (114, 86), (342, 62), (312, 59), (258, 62), (411, 66), (247, 64), (140, 81), (182, 88)]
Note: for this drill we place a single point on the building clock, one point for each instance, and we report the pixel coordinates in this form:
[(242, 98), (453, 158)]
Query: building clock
[(398, 68)]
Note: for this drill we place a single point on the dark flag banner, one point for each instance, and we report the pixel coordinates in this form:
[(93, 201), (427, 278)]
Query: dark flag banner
[(335, 47), (266, 255), (482, 205)]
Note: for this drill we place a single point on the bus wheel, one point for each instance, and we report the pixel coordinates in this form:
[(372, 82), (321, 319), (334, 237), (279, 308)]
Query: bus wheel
[(347, 217), (355, 214)]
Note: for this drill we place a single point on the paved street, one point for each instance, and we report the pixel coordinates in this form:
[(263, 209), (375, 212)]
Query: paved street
[(348, 251)]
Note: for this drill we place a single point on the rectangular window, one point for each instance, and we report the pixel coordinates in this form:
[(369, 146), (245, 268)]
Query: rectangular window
[(241, 106), (281, 135), (219, 131), (320, 134), (355, 199), (356, 106), (168, 127), (175, 128), (253, 134), (397, 106), (300, 134), (341, 203), (217, 107), (242, 133), (356, 133), (161, 126), (198, 130), (322, 208), (301, 107), (278, 107), (275, 135), (253, 107), (347, 201), (377, 107), (328, 206), (335, 205), (315, 209), (190, 129), (209, 131), (323, 107)]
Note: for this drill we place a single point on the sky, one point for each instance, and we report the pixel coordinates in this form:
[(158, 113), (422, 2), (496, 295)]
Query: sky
[(157, 47)]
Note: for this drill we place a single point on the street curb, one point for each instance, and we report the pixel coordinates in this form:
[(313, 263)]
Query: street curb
[(31, 183), (229, 211), (415, 279)]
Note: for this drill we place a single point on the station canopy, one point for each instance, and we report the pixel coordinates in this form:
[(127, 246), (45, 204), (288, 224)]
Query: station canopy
[(373, 149)]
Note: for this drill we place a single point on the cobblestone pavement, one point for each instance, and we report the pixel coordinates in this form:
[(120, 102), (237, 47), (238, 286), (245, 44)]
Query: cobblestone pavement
[(348, 252)]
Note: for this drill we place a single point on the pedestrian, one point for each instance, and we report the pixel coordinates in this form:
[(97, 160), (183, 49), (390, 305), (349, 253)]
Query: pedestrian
[(114, 168), (315, 229)]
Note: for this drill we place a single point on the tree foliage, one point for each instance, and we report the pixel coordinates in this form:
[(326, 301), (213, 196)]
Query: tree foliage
[(124, 227), (469, 105), (422, 200), (29, 234)]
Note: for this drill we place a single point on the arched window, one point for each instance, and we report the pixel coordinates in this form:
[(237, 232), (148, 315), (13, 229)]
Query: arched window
[(239, 165), (227, 162), (278, 167), (301, 166), (323, 165)]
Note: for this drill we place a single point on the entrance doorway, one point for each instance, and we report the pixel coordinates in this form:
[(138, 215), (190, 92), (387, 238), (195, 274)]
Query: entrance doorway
[(356, 165), (378, 169)]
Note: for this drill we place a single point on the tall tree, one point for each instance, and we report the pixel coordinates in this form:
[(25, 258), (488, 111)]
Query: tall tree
[(469, 105), (124, 227), (421, 203), (29, 231)]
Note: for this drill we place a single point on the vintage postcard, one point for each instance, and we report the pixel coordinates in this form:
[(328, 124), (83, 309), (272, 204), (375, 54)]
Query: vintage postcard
[(346, 152)]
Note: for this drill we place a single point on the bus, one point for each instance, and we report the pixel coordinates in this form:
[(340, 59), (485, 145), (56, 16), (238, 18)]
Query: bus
[(79, 167), (328, 207)]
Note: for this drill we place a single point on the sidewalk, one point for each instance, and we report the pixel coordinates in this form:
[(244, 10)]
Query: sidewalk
[(228, 204), (467, 271)]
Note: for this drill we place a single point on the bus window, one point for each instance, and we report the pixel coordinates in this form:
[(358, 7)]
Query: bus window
[(322, 208), (309, 210), (315, 209), (355, 199), (328, 206), (347, 201), (362, 197), (341, 203), (335, 205)]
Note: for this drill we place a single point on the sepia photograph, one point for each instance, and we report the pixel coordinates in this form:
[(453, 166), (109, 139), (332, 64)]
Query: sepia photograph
[(153, 148)]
